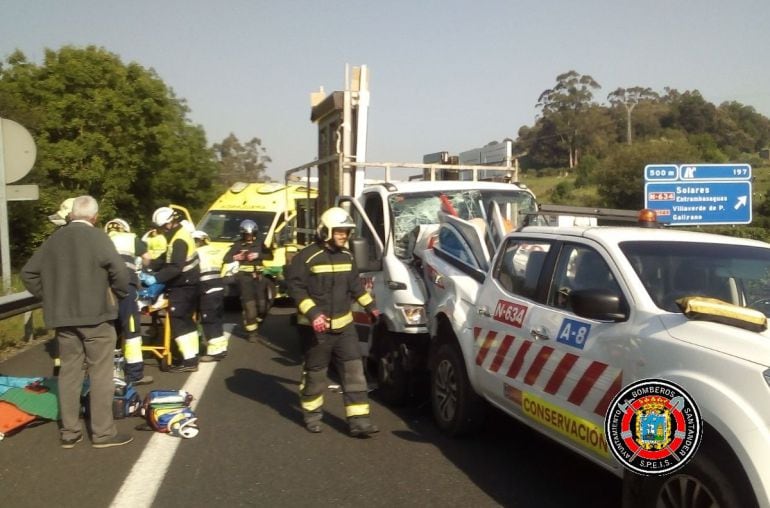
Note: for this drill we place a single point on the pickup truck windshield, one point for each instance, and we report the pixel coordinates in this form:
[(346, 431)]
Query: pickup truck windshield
[(412, 210), (736, 274), (225, 225)]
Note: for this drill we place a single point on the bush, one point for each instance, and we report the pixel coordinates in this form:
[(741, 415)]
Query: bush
[(621, 174), (586, 170)]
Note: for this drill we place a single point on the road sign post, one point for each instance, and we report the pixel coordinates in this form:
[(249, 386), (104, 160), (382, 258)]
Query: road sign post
[(17, 156), (699, 194)]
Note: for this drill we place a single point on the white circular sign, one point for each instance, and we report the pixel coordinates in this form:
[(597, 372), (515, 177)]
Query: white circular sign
[(19, 150)]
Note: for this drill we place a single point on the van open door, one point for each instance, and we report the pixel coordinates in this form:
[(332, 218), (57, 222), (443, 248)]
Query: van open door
[(184, 214), (367, 247)]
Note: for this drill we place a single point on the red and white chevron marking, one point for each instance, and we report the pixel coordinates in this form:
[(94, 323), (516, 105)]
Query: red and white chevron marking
[(577, 380)]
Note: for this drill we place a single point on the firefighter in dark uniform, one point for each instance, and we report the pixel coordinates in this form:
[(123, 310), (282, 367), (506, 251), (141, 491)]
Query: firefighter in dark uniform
[(249, 253), (323, 280), (180, 272)]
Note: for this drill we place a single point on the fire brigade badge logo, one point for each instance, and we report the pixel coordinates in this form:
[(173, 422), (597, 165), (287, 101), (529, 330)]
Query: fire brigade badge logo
[(653, 427)]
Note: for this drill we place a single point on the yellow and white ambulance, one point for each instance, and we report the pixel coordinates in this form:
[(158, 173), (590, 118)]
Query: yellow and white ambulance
[(285, 214)]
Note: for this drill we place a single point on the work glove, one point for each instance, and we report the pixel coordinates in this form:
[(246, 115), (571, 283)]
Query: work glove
[(241, 256), (251, 256), (320, 324), (147, 279)]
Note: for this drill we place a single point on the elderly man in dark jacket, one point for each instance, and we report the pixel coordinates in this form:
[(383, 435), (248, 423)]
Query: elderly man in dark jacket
[(79, 275)]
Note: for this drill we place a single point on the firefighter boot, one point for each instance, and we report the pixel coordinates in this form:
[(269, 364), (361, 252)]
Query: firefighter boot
[(361, 426), (313, 420), (250, 324)]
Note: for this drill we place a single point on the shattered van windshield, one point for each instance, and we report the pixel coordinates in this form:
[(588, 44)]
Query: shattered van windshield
[(412, 210)]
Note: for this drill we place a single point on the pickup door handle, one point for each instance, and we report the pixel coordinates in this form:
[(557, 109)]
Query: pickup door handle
[(539, 333), (483, 310)]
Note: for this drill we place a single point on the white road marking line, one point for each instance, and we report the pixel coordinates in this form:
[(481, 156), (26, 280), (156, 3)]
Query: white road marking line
[(142, 483)]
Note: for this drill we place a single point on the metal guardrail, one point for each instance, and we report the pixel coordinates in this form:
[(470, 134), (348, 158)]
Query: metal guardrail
[(18, 303)]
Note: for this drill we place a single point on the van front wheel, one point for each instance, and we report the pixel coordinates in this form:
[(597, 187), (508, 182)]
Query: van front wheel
[(392, 375)]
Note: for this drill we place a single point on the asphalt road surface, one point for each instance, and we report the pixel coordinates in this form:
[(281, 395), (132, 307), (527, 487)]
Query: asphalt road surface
[(252, 449)]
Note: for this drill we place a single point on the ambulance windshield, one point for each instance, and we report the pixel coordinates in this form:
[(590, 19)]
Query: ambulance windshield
[(224, 225)]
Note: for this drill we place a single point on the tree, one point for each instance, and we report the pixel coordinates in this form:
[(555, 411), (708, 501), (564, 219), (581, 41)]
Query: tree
[(103, 128), (565, 105), (690, 112), (629, 98), (540, 144), (621, 175), (238, 162), (740, 129)]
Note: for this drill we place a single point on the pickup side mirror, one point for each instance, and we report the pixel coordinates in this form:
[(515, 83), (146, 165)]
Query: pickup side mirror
[(599, 304), (362, 254)]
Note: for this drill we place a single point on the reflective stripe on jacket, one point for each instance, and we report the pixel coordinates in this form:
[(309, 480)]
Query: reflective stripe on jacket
[(191, 261), (325, 281), (211, 266)]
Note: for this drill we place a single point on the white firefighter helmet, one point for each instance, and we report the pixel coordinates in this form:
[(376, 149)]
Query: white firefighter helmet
[(334, 218), (200, 236), (162, 216), (117, 224)]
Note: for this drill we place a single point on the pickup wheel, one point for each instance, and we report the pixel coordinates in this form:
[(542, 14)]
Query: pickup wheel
[(699, 483), (457, 409), (392, 376)]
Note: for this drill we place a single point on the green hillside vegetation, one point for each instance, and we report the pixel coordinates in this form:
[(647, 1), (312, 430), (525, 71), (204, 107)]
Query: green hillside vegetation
[(556, 187), (585, 153)]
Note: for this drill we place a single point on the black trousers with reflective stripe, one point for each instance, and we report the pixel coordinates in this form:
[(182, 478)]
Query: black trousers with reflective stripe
[(211, 309), (182, 301), (129, 325), (319, 349)]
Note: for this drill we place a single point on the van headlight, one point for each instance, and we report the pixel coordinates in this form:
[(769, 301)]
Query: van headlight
[(414, 315)]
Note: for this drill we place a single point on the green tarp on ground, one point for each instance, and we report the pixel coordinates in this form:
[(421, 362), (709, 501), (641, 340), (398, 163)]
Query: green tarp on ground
[(39, 398)]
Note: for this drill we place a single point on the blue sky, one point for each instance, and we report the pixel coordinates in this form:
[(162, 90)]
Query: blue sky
[(445, 75)]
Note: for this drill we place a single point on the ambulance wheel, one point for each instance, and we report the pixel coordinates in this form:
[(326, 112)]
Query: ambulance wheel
[(457, 409), (700, 483), (392, 376)]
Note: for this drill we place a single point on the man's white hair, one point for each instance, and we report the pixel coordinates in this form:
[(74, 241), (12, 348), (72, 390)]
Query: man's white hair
[(84, 208)]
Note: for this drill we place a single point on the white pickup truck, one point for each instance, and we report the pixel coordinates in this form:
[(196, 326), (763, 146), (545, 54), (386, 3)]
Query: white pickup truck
[(552, 322)]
